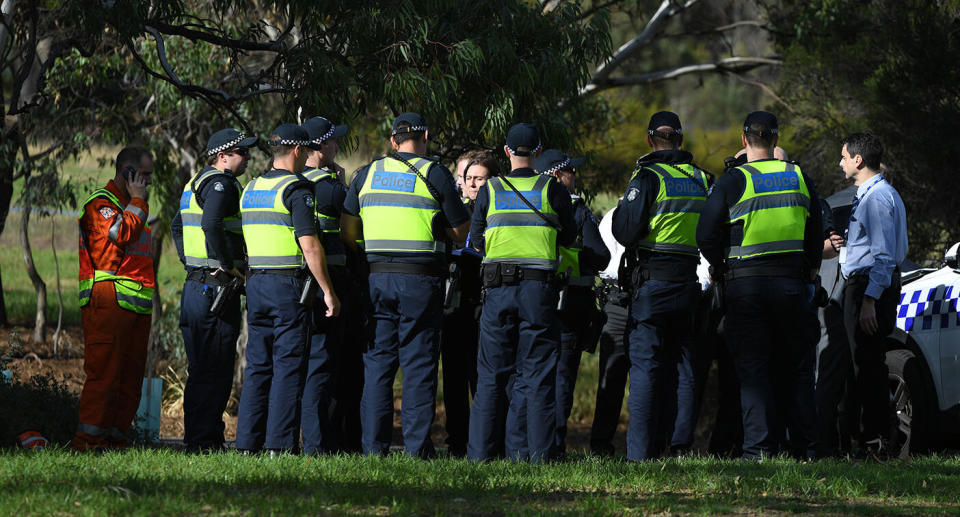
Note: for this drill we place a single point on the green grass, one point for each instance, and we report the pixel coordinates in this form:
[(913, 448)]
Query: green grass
[(167, 482)]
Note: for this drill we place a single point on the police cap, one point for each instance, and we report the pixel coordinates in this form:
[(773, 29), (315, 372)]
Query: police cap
[(523, 136), (767, 120), (661, 119), (320, 130), (291, 135), (408, 123), (229, 138), (553, 160)]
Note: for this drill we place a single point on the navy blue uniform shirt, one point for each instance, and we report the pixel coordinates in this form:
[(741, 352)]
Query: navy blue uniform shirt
[(714, 233), (329, 195), (557, 195), (451, 208), (594, 256)]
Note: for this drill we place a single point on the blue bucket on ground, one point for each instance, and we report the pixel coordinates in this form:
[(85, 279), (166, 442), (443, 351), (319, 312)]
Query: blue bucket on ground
[(6, 376), (147, 424)]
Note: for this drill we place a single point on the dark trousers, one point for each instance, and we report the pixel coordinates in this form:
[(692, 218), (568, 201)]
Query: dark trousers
[(211, 346), (578, 306), (869, 352), (326, 340), (408, 316), (614, 366), (834, 391), (458, 352), (348, 375), (772, 331), (519, 334), (277, 348), (660, 350)]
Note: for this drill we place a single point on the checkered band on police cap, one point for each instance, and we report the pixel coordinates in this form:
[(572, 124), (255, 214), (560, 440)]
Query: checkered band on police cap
[(228, 145), (525, 153)]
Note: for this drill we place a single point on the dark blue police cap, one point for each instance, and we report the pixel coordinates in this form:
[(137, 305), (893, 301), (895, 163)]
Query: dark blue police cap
[(320, 130), (411, 122), (761, 118), (291, 135), (553, 160), (228, 139), (664, 119), (523, 135)]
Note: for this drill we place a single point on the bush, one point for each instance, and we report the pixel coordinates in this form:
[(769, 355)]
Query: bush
[(40, 404)]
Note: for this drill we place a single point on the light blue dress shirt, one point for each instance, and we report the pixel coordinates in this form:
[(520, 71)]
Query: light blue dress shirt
[(877, 237)]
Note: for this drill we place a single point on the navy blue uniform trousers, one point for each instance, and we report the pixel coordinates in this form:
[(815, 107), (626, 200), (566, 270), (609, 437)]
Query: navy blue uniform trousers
[(458, 351), (577, 307), (211, 346), (407, 315), (326, 340), (662, 380), (519, 334), (614, 366), (277, 348), (772, 330)]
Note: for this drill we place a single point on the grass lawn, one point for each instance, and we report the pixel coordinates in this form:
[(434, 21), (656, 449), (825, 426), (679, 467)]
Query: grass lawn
[(164, 482)]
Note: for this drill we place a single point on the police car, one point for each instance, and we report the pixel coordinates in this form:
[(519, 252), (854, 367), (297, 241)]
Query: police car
[(923, 358)]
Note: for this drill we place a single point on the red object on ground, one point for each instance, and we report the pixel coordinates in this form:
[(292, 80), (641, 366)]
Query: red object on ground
[(32, 440)]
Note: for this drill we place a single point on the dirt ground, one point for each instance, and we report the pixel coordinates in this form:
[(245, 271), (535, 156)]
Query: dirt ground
[(67, 367)]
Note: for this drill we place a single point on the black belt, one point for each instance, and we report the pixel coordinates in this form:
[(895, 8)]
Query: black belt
[(206, 276), (296, 272), (775, 271), (539, 275), (407, 268)]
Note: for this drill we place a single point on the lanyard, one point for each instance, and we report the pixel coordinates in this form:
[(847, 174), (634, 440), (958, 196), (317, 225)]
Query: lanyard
[(858, 199)]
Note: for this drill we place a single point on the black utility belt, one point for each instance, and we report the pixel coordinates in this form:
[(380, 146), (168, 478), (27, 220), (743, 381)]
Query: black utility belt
[(772, 271), (496, 275), (408, 268), (292, 272), (206, 276)]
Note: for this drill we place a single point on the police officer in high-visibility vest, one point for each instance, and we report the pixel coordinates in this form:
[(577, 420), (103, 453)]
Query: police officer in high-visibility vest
[(404, 207), (656, 222), (579, 265), (760, 229), (117, 281), (283, 250), (214, 255), (331, 381), (519, 222)]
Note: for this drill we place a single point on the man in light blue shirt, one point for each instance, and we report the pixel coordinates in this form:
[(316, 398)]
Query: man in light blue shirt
[(876, 245)]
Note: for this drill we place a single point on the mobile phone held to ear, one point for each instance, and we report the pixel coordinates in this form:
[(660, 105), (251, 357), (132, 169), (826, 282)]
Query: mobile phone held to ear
[(128, 171)]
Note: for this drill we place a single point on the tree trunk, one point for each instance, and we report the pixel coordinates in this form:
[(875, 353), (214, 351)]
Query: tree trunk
[(8, 159), (40, 325), (56, 265)]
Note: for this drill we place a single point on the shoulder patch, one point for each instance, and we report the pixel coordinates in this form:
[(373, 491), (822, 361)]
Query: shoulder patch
[(308, 200), (632, 194), (107, 212), (218, 186)]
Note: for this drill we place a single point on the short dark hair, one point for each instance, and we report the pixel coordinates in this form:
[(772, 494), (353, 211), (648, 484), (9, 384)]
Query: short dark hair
[(212, 160), (278, 150), (483, 158), (868, 146), (755, 140), (131, 157), (406, 135), (674, 140)]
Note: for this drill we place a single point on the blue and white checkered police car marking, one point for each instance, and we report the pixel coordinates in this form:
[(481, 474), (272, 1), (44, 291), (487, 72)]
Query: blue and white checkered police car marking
[(929, 308)]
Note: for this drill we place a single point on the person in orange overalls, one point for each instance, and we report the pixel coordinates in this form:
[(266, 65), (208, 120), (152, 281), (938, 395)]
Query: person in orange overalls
[(117, 281)]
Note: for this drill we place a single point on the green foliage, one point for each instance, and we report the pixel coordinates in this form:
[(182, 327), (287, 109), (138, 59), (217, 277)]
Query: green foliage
[(889, 67)]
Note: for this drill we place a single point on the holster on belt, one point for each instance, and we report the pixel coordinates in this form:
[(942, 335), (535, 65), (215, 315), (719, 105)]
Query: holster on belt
[(719, 287), (226, 292), (453, 294)]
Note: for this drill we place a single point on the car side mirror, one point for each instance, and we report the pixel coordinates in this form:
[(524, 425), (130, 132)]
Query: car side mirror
[(950, 257)]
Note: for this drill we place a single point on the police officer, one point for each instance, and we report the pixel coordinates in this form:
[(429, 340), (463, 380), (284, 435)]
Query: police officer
[(406, 206), (761, 232), (458, 342), (656, 222), (519, 221), (283, 250), (579, 264), (330, 382), (214, 255)]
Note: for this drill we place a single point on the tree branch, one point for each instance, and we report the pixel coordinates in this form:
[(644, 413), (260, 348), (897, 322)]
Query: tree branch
[(723, 28), (654, 26), (194, 35), (766, 89), (594, 9), (731, 65)]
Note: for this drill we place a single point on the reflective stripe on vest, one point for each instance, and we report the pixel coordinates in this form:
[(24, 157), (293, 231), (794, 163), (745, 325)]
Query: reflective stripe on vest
[(191, 214), (515, 234), (674, 216), (773, 209), (134, 282), (326, 223), (397, 209), (268, 225)]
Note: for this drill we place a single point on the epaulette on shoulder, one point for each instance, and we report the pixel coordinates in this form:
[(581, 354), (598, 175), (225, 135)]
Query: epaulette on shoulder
[(795, 162)]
